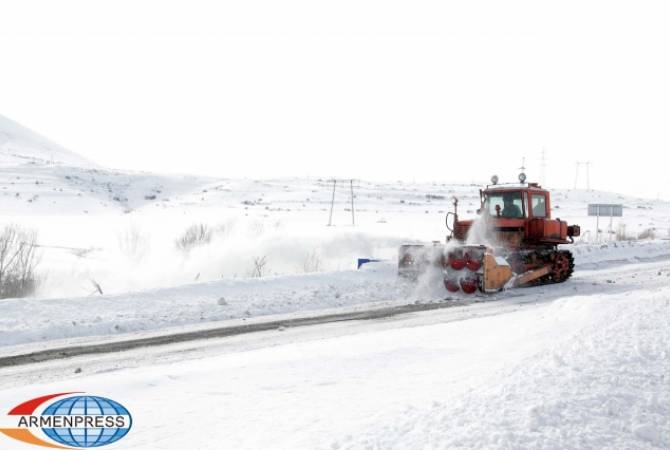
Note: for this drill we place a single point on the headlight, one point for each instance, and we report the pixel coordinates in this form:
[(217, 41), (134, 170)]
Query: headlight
[(494, 179), (522, 177)]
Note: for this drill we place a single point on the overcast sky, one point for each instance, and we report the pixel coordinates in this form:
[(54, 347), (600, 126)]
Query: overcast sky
[(417, 90)]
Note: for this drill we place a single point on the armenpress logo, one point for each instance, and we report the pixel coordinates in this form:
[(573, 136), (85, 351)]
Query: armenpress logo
[(68, 420)]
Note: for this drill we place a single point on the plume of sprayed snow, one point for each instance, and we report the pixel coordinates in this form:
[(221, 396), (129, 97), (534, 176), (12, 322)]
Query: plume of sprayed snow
[(235, 244), (481, 232), (430, 283)]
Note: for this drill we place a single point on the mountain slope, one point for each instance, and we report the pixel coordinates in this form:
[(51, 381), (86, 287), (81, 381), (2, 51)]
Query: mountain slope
[(19, 145), (40, 177)]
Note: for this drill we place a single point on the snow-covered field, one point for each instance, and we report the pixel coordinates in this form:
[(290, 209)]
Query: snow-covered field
[(59, 320), (577, 365), (118, 228), (586, 368)]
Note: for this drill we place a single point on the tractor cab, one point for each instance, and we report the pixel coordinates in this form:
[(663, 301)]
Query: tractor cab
[(522, 202), (518, 214)]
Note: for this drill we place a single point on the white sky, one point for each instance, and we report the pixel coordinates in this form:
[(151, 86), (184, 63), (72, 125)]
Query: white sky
[(418, 90)]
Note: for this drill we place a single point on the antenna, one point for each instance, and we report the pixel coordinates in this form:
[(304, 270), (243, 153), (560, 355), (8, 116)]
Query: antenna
[(543, 167), (522, 174)]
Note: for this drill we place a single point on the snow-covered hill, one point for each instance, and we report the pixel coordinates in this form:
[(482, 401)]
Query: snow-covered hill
[(39, 177), (119, 227), (19, 145), (580, 364)]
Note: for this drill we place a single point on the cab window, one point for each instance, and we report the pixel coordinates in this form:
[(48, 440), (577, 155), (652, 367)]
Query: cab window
[(510, 203), (538, 205)]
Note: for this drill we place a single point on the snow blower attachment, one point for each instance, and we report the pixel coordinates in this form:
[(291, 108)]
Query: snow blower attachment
[(525, 253)]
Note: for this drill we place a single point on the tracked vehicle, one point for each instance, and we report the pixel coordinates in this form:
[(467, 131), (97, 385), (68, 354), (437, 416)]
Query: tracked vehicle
[(514, 242)]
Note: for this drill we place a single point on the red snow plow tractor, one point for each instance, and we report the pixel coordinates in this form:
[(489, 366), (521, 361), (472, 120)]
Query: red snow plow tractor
[(514, 242)]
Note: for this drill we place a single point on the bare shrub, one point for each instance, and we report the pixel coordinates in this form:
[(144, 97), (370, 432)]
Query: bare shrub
[(223, 229), (259, 269), (621, 234), (98, 288), (133, 243), (18, 260), (312, 262), (255, 228), (649, 233), (194, 236)]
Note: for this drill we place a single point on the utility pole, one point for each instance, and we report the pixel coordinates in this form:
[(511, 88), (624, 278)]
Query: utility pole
[(609, 232), (332, 204), (353, 218), (332, 201), (588, 173)]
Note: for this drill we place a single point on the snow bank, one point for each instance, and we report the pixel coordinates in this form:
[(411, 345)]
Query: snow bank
[(196, 303), (60, 318), (583, 371), (603, 385), (595, 255)]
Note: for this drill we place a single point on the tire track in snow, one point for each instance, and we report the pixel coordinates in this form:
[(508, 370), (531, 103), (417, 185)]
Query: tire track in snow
[(227, 331), (586, 284)]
